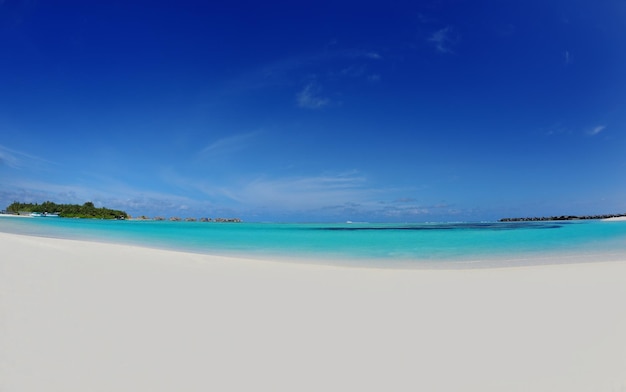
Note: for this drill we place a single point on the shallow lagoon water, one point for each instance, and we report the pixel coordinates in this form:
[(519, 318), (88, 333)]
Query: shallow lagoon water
[(373, 244)]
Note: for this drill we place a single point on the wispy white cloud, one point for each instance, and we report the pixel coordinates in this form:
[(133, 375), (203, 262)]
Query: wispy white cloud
[(282, 71), (307, 192), (426, 19), (556, 129), (229, 144), (343, 195), (309, 97), (373, 55), (8, 158), (119, 196), (405, 209), (398, 211), (560, 129), (567, 57), (18, 159), (597, 130), (332, 64), (444, 39), (405, 200), (277, 194), (353, 71)]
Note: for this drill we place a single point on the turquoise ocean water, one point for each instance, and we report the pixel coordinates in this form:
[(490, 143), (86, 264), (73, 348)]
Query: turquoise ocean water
[(373, 244)]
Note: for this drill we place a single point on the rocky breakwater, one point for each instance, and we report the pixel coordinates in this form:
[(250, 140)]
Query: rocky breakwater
[(190, 219), (562, 218)]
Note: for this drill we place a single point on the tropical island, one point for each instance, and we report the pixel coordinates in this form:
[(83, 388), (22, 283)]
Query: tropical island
[(87, 210), (90, 211)]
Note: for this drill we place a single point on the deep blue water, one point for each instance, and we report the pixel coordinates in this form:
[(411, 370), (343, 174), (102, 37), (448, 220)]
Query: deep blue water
[(383, 244)]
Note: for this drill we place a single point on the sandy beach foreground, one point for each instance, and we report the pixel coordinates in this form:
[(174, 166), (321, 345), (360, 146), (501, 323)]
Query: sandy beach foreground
[(80, 316)]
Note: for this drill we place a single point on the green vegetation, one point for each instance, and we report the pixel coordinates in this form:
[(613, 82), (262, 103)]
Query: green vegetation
[(87, 210)]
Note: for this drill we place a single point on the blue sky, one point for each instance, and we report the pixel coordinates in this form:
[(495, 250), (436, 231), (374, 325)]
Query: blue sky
[(316, 111)]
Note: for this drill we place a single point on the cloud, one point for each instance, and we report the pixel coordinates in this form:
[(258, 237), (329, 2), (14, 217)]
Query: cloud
[(444, 39), (597, 130), (282, 71), (18, 160), (8, 158), (556, 129), (353, 71), (25, 190), (309, 97), (279, 195), (567, 57), (306, 192), (373, 56), (112, 195), (405, 200), (229, 144)]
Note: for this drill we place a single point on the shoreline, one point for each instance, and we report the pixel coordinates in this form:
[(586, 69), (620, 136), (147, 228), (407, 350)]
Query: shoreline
[(615, 219), (77, 315), (612, 251), (493, 261)]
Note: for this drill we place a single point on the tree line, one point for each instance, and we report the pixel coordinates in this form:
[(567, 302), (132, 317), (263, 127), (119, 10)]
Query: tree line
[(87, 210)]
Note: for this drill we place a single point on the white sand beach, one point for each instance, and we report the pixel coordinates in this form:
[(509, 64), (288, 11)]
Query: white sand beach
[(615, 219), (81, 316)]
